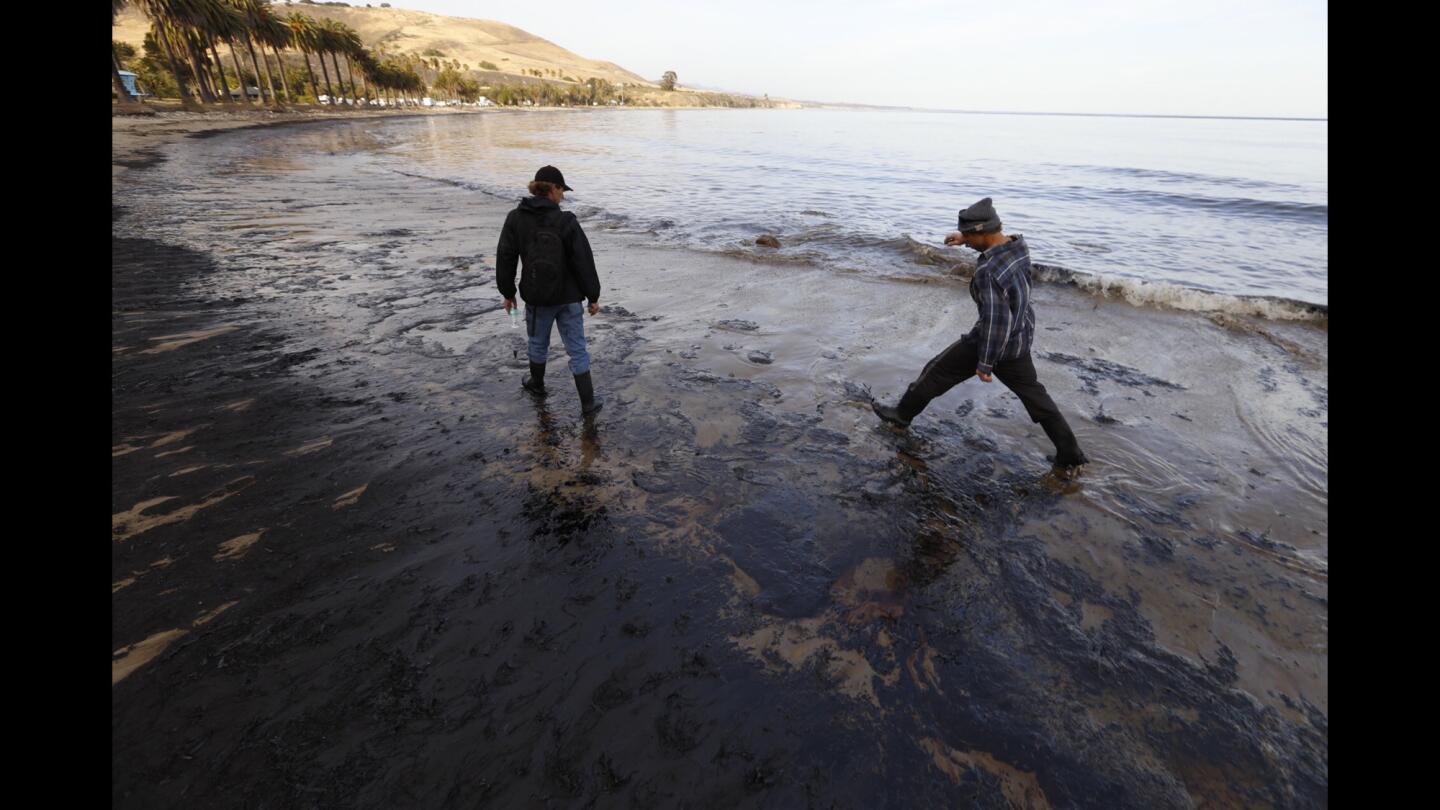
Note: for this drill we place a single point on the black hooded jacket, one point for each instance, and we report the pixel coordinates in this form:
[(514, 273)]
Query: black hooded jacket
[(581, 282)]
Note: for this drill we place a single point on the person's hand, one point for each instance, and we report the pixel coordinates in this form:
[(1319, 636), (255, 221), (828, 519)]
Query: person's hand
[(509, 305), (983, 376), (594, 308), (955, 238)]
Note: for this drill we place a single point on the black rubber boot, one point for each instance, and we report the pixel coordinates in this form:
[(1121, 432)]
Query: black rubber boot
[(1067, 448), (900, 414), (535, 382), (890, 414), (588, 403)]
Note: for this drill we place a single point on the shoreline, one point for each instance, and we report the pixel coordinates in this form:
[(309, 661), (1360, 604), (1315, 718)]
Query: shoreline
[(134, 135), (357, 565), (132, 148)]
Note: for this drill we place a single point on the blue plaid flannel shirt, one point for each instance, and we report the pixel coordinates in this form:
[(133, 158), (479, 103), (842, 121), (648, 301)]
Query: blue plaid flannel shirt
[(1001, 289)]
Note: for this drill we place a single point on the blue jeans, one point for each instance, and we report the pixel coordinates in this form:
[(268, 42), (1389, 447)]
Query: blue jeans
[(571, 320)]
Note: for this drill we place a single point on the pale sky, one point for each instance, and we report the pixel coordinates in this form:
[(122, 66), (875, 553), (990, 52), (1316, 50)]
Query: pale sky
[(1148, 57)]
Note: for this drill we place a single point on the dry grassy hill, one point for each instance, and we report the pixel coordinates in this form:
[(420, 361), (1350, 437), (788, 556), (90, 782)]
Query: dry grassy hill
[(510, 49)]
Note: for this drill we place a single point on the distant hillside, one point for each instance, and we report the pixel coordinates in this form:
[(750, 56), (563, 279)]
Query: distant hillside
[(397, 31)]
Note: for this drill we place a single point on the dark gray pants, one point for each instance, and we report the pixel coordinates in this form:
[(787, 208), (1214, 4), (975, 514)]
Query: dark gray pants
[(957, 364)]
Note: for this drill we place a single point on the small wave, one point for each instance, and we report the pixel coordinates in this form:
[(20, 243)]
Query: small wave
[(766, 256), (1318, 213), (594, 215), (1137, 291), (1172, 296), (823, 241), (1187, 177), (956, 263), (1285, 209), (488, 190), (445, 180)]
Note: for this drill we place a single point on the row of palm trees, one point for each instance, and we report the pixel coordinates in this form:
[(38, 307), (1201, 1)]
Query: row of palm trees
[(190, 32)]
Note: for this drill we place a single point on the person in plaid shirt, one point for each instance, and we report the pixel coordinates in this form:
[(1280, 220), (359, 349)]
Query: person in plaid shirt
[(999, 344)]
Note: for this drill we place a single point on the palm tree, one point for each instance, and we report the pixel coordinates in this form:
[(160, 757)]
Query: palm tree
[(165, 18), (340, 46), (250, 12), (195, 24), (225, 22), (300, 35), (203, 22), (121, 94), (235, 28), (305, 34), (176, 31), (401, 78), (368, 68), (187, 36), (321, 39), (352, 47), (157, 33), (385, 78), (271, 30), (334, 39)]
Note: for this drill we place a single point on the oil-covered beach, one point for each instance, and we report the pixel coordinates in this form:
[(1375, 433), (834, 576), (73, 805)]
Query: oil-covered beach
[(356, 565)]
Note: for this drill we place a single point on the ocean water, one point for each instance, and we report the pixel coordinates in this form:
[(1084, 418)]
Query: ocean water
[(1180, 212)]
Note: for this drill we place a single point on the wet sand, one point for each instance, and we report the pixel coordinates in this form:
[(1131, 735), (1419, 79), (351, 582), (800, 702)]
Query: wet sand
[(355, 565), (135, 137)]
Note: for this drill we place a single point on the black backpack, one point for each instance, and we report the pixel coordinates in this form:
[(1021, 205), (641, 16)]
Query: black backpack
[(542, 278)]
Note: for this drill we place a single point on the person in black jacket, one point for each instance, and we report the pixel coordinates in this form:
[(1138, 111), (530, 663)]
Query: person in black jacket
[(558, 273)]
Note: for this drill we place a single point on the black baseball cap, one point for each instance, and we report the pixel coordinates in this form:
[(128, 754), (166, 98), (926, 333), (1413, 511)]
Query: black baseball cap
[(550, 174)]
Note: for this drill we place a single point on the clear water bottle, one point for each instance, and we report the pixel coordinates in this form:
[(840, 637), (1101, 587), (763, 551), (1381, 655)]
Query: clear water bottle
[(514, 321)]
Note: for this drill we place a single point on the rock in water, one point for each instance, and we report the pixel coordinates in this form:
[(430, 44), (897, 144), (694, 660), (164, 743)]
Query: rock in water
[(768, 241)]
